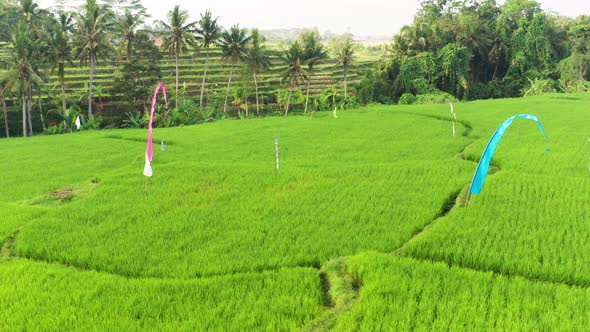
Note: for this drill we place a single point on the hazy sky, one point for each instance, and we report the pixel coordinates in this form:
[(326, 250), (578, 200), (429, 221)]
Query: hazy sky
[(360, 17)]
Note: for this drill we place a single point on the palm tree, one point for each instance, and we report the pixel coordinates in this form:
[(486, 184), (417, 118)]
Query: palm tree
[(313, 53), (258, 61), (295, 73), (345, 54), (475, 35), (59, 50), (4, 109), (209, 32), (234, 46), (21, 77), (496, 53), (178, 36), (33, 16), (126, 28), (5, 18), (93, 24), (417, 38)]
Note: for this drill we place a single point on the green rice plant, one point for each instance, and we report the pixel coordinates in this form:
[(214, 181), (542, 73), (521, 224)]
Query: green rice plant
[(215, 240), (39, 296), (400, 294)]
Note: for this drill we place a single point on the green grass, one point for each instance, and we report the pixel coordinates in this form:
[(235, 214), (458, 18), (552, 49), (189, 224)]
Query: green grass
[(405, 294), (40, 296), (220, 234), (531, 217)]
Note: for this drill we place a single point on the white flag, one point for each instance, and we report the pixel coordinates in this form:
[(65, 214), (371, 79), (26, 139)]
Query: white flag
[(454, 117), (147, 169), (78, 123)]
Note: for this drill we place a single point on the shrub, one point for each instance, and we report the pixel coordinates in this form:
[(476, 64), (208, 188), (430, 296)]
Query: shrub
[(434, 98), (539, 86), (407, 99)]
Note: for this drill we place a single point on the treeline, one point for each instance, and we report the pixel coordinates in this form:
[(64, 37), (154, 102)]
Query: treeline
[(478, 49), (39, 44)]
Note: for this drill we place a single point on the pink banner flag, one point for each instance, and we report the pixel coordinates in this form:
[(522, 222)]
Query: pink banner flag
[(149, 151)]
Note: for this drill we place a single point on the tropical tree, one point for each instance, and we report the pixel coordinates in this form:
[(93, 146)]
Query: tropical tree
[(33, 16), (497, 53), (234, 46), (126, 28), (345, 52), (416, 38), (59, 50), (94, 22), (475, 35), (313, 53), (295, 73), (454, 61), (6, 18), (258, 61), (21, 77), (178, 36), (209, 32), (134, 79)]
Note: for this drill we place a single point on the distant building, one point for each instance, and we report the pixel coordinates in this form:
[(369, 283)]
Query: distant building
[(158, 42)]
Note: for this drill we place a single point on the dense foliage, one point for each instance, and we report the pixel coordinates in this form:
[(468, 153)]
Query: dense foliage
[(478, 49), (104, 56)]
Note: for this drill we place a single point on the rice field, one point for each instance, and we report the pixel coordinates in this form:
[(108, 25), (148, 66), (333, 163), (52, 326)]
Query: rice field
[(216, 240)]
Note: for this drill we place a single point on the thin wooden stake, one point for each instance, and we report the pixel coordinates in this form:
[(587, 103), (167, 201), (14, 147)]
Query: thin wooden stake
[(276, 154)]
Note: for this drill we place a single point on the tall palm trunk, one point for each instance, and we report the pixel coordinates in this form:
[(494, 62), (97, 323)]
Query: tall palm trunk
[(176, 101), (92, 59), (345, 82), (129, 44), (307, 94), (495, 70), (24, 114), (247, 110), (289, 100), (30, 109), (4, 110), (257, 103), (41, 110), (63, 100), (204, 77), (231, 72)]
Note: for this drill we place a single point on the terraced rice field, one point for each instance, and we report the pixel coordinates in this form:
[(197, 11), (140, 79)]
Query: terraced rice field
[(364, 227)]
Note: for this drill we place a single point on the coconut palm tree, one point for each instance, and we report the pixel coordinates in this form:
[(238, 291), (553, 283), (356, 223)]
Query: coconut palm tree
[(295, 73), (345, 54), (94, 22), (21, 77), (313, 53), (496, 54), (234, 46), (6, 18), (178, 36), (33, 16), (126, 27), (258, 61), (59, 50), (209, 32)]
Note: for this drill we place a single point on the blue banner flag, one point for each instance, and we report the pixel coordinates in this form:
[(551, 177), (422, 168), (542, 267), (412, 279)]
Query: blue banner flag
[(484, 163)]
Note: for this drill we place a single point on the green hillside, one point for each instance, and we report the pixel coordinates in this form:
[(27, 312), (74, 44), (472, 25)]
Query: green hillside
[(364, 227)]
